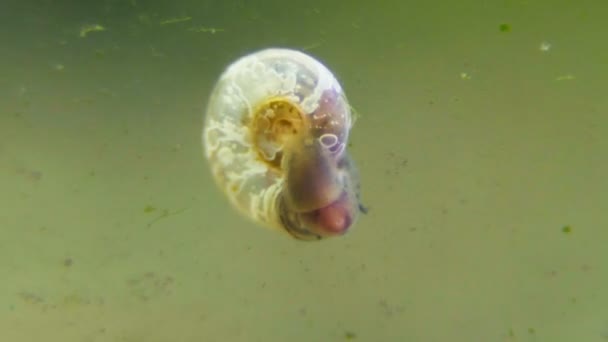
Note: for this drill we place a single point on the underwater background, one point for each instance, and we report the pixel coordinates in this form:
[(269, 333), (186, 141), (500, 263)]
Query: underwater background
[(480, 139)]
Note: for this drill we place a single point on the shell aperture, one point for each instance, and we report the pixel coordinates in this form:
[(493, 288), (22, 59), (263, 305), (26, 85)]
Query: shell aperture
[(275, 134)]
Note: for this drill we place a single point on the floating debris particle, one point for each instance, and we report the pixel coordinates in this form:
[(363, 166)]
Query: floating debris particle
[(175, 20), (58, 67), (144, 18), (567, 77), (30, 297), (567, 229), (176, 147), (106, 92), (164, 214), (156, 53), (29, 175), (85, 30), (544, 46), (100, 53), (202, 29), (465, 76), (504, 28), (349, 335), (312, 46)]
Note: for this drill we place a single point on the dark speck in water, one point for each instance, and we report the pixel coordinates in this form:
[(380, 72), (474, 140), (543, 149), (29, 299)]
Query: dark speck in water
[(505, 28)]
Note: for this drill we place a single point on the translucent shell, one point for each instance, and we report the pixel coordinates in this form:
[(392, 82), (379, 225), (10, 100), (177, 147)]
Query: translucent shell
[(275, 135)]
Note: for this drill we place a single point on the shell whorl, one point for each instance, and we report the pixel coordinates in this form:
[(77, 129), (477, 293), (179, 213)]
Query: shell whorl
[(275, 135)]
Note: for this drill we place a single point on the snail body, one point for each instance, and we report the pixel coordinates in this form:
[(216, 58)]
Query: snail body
[(275, 134)]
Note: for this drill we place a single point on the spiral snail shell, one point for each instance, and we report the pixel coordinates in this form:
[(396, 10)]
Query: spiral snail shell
[(275, 135)]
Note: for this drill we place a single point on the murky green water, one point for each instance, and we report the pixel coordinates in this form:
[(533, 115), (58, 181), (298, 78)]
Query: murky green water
[(481, 144)]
